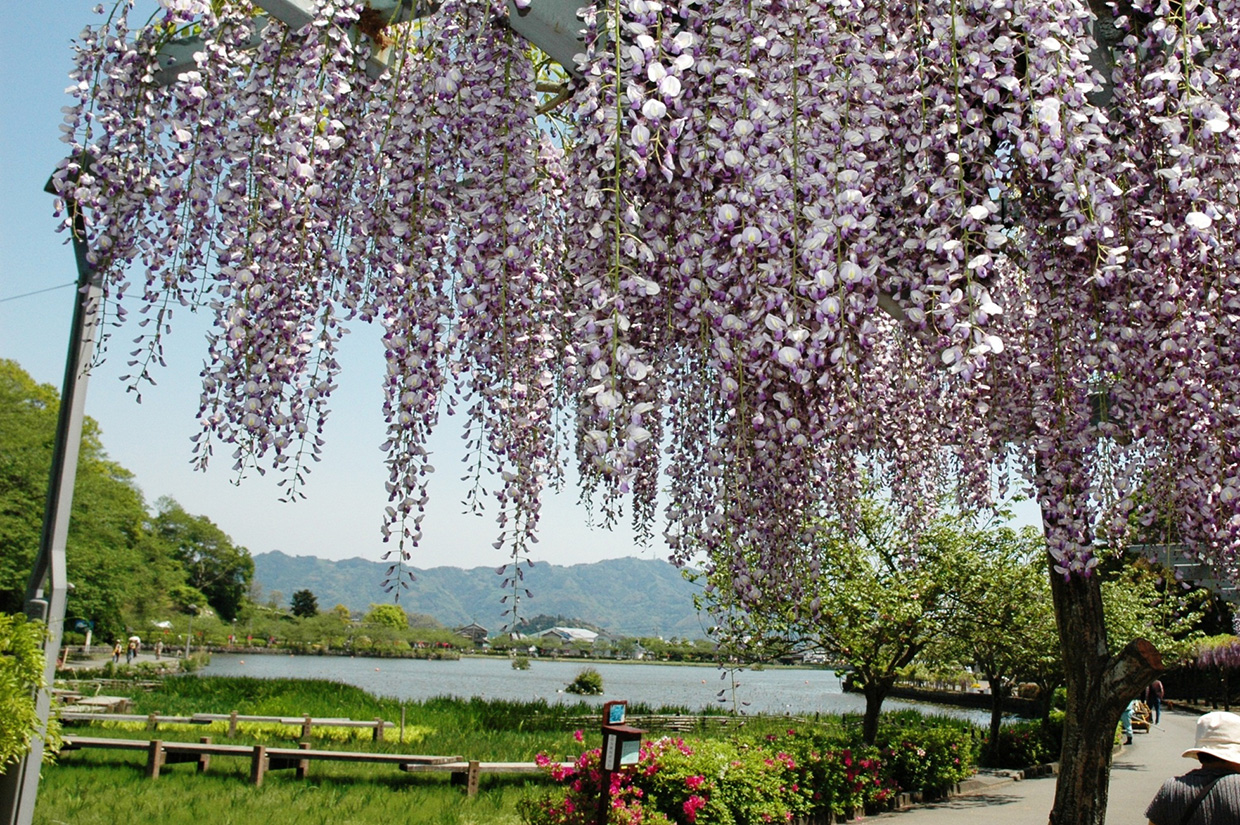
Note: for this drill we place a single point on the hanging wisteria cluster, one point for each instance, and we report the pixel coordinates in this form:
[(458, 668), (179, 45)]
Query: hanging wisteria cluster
[(1220, 652), (777, 250)]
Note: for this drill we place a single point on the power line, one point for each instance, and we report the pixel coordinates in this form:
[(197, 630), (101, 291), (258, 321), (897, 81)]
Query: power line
[(36, 292)]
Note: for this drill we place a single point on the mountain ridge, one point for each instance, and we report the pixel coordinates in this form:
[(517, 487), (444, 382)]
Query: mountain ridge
[(629, 596)]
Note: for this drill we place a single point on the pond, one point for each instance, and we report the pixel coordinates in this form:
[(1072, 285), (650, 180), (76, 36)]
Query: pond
[(790, 691)]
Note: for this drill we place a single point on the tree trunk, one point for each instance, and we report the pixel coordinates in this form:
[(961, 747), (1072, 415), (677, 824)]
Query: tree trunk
[(1099, 688), (997, 692), (875, 692)]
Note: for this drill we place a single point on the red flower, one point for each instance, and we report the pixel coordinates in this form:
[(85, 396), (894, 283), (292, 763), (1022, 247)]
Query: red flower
[(692, 805)]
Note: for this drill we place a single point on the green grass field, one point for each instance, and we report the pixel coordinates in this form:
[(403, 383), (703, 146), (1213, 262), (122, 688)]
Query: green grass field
[(98, 787)]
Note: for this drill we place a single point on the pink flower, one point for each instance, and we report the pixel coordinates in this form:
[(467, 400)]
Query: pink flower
[(694, 782), (692, 805), (579, 736)]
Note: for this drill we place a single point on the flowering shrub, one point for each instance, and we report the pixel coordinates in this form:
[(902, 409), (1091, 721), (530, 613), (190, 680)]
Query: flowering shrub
[(771, 779), (838, 777), (928, 759), (721, 782), (578, 803), (1022, 744)]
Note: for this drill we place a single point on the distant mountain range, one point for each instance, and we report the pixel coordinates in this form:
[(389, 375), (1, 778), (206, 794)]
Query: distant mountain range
[(626, 597)]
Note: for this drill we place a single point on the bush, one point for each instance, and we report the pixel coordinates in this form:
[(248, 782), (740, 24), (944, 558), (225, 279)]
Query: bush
[(1023, 744), (836, 774), (521, 663), (776, 778), (588, 683), (926, 754), (21, 672)]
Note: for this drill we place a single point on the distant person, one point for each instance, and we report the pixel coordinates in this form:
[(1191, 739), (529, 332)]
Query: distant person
[(116, 652), (1125, 721), (1153, 698), (159, 648), (1209, 795), (131, 652)]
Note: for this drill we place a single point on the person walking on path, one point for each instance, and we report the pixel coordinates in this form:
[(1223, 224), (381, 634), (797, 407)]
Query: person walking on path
[(116, 652), (1153, 698), (1210, 794)]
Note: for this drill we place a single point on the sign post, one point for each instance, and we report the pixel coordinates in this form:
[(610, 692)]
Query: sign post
[(622, 746)]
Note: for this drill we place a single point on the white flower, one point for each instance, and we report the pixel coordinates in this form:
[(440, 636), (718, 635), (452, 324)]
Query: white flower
[(788, 356), (654, 109), (187, 6), (1198, 220)]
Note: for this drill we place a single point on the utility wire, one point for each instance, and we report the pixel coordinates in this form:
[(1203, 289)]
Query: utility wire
[(36, 292)]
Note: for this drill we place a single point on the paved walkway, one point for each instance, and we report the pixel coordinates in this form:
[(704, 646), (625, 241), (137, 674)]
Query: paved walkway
[(1136, 774)]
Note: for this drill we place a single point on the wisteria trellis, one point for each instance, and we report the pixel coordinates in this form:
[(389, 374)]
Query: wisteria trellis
[(689, 269)]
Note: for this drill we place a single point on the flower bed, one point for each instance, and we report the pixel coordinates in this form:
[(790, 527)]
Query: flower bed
[(800, 775)]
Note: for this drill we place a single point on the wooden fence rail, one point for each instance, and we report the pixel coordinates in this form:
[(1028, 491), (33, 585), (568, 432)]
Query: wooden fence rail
[(307, 723), (262, 758)]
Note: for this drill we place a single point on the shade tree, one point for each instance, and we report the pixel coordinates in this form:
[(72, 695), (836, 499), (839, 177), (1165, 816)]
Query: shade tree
[(1141, 599), (873, 599), (776, 247), (1006, 628)]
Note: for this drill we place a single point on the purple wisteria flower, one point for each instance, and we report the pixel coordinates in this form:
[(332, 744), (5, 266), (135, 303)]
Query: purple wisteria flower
[(773, 249)]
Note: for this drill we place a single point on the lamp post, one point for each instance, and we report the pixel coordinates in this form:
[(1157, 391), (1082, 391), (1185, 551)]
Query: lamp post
[(189, 630)]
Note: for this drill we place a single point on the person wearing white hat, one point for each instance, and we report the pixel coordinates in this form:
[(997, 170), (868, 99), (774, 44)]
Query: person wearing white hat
[(1209, 795)]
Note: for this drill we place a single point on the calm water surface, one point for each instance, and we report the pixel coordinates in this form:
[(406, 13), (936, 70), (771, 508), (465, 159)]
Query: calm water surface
[(777, 691)]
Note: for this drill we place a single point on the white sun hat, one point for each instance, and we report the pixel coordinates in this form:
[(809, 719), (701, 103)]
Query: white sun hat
[(1218, 734)]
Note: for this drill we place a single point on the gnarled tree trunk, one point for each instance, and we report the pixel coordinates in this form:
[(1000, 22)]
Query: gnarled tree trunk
[(1099, 687)]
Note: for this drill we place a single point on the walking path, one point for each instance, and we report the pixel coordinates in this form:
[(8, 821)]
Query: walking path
[(1136, 774)]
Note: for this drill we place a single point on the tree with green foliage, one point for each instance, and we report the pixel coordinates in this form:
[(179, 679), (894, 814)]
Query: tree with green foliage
[(873, 599), (1006, 627), (304, 604), (1141, 600), (117, 568), (387, 615), (216, 566)]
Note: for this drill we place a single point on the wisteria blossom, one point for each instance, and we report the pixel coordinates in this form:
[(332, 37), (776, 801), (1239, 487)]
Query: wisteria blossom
[(749, 257)]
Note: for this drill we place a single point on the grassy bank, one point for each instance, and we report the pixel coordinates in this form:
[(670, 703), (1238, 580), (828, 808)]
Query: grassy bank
[(90, 787)]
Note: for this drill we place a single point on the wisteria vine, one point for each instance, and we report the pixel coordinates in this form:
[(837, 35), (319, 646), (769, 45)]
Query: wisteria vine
[(779, 250)]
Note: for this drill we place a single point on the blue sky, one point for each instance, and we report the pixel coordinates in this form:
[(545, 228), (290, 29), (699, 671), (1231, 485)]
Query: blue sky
[(341, 517)]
